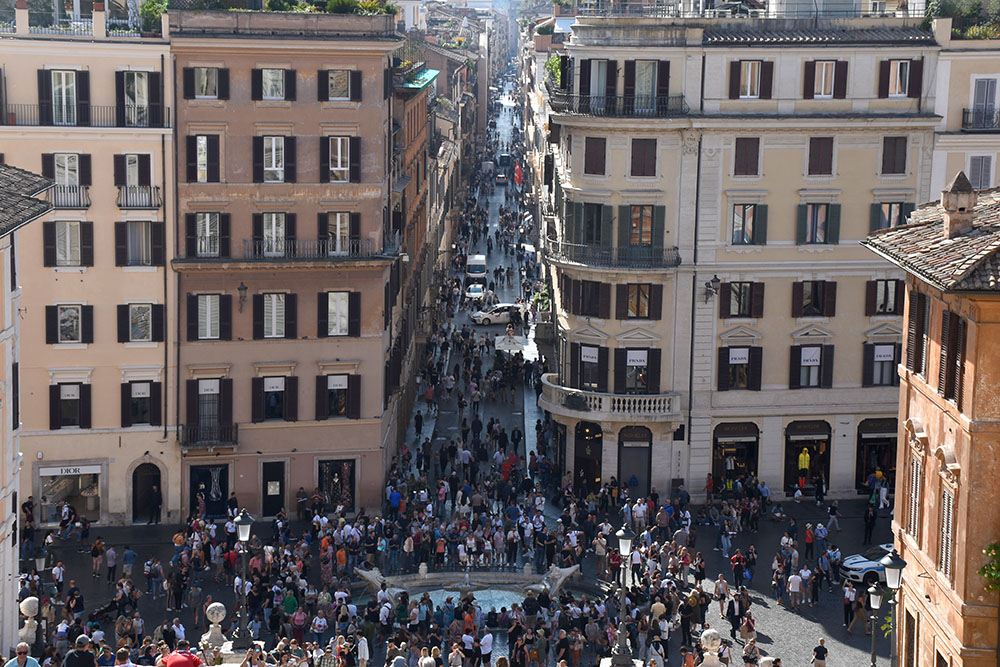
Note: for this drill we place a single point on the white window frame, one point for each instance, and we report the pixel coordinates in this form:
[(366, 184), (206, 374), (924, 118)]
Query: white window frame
[(274, 315), (899, 78), (813, 227), (136, 310), (739, 213), (750, 79), (67, 169), (272, 84), (145, 229), (208, 234), (201, 153), (208, 316), (136, 98), (885, 296), (823, 85), (67, 242), (976, 173), (340, 159), (810, 376), (338, 313), (331, 76), (206, 83), (338, 233), (132, 170), (60, 308), (64, 97), (884, 372), (273, 239), (274, 159)]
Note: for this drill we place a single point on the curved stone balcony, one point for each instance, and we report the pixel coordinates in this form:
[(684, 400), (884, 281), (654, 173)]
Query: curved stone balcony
[(600, 406)]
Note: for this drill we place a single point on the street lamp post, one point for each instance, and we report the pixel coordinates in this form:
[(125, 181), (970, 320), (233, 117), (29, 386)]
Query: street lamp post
[(875, 597), (893, 565), (622, 656), (241, 638)]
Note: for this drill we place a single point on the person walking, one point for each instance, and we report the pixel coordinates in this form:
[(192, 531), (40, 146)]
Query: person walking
[(111, 557), (155, 504), (819, 654)]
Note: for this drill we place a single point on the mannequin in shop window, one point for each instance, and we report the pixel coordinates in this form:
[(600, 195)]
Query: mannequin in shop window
[(803, 467)]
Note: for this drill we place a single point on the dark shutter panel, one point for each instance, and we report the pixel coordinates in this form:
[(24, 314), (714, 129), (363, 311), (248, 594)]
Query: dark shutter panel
[(756, 368), (547, 168), (257, 229), (86, 171), (905, 209), (354, 232), (871, 297), (322, 404), (766, 79), (226, 317), (291, 407), (190, 235), (354, 314), (155, 404), (258, 316), (258, 159), (226, 402), (897, 359), (87, 243), (800, 224), (158, 244), (959, 361), (875, 217), (322, 315), (868, 365), (809, 80), (191, 155), (83, 102), (604, 301), (323, 229), (722, 371), (120, 99), (607, 227), (943, 359), (663, 83), (322, 85), (653, 356), (290, 236), (44, 97), (223, 83), (794, 366), (826, 366), (883, 78), (188, 83), (55, 405), (355, 85), (213, 158), (355, 159), (119, 169), (611, 83), (159, 321), (574, 365), (577, 297), (624, 228), (85, 406), (291, 316), (833, 224), (621, 358), (916, 82), (49, 165), (602, 369), (386, 83), (564, 72), (584, 77), (324, 159), (621, 302), (734, 80), (725, 301), (256, 400), (87, 318), (659, 224), (225, 225), (290, 170), (126, 403), (145, 170), (192, 317), (49, 243), (757, 300), (628, 91), (290, 92), (797, 299), (900, 297), (123, 327), (829, 298), (354, 397), (840, 80), (655, 301)]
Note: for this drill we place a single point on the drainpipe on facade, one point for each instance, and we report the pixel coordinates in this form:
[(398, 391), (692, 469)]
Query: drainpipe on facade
[(177, 281), (694, 290), (166, 258)]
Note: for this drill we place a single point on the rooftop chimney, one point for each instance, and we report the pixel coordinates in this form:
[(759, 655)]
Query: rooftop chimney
[(958, 200)]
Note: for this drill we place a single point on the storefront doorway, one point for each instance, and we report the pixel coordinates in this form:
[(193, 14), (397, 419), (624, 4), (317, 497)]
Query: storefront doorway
[(807, 455), (335, 479), (144, 478), (635, 459), (734, 451), (272, 491), (876, 454), (587, 455), (213, 483), (78, 485)]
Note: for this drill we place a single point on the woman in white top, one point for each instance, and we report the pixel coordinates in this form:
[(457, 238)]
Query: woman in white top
[(722, 594)]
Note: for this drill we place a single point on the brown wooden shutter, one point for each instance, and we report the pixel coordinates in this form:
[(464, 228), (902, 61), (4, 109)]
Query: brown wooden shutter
[(354, 314), (653, 362), (49, 243), (258, 316), (829, 298), (734, 79), (757, 300), (225, 317), (123, 323), (797, 299), (322, 85), (958, 357), (840, 80), (324, 159), (258, 158), (213, 158), (604, 301), (916, 82), (826, 366), (747, 156), (290, 170), (192, 317), (756, 368), (871, 297), (222, 84), (809, 80), (190, 235), (354, 397), (584, 77), (794, 366), (155, 404), (355, 159), (126, 404), (655, 301), (291, 406), (628, 87), (725, 301), (226, 402), (766, 79), (722, 371), (602, 369), (85, 406), (621, 358), (943, 359), (256, 400), (191, 155), (900, 287), (621, 302), (158, 323), (611, 83), (188, 83), (290, 79), (55, 407), (256, 84), (44, 97), (355, 85), (322, 404), (820, 156), (291, 316), (574, 365), (868, 365), (883, 79), (87, 321), (323, 314)]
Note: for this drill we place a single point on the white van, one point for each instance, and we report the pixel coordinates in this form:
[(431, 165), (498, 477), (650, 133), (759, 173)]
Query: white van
[(475, 266)]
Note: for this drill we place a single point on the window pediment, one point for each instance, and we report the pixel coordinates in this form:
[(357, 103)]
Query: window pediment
[(588, 332), (638, 335), (740, 335), (887, 332), (810, 333)]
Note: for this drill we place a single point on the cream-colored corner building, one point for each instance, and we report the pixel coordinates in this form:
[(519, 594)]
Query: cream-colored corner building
[(715, 314), (89, 108)]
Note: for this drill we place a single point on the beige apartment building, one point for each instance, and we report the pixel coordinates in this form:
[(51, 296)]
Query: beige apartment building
[(703, 206), (289, 265), (87, 106)]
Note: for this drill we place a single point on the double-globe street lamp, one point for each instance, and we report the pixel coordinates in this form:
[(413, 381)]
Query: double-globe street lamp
[(893, 565), (621, 656), (241, 637)]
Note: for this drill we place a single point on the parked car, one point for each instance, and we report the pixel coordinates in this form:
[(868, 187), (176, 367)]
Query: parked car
[(475, 291), (496, 314), (865, 568)]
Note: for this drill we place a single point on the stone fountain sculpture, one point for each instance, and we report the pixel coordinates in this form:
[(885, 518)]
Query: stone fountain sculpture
[(29, 607), (215, 614), (711, 642), (374, 579), (554, 579)]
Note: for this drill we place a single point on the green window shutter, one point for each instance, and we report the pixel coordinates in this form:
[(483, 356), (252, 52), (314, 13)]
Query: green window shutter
[(569, 226), (800, 225), (607, 225), (624, 227), (833, 224), (875, 218), (659, 218), (905, 209), (760, 225), (578, 222)]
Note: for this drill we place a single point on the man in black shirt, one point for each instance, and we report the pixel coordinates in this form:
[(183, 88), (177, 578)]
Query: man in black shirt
[(81, 655), (562, 647)]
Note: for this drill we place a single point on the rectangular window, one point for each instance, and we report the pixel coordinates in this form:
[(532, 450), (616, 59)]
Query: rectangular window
[(206, 83), (63, 97), (740, 299), (590, 302), (589, 368), (747, 156), (201, 143), (643, 157), (809, 371), (274, 158), (592, 216), (70, 319), (139, 402), (750, 79), (638, 301), (894, 155), (140, 243), (823, 87), (812, 298), (337, 313), (918, 325), (339, 84), (951, 368), (69, 404), (899, 78), (208, 234), (947, 547), (274, 234), (338, 233), (208, 316), (594, 155), (208, 406), (743, 223), (910, 651), (641, 233), (885, 297), (636, 371), (132, 170), (336, 395), (136, 99), (981, 171), (274, 315), (913, 500), (140, 322), (739, 367), (67, 169), (273, 81), (274, 398), (646, 74), (67, 243), (892, 214), (340, 159), (884, 365), (820, 156), (816, 219)]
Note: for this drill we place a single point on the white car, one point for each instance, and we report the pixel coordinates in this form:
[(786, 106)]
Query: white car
[(475, 291), (865, 568), (497, 314)]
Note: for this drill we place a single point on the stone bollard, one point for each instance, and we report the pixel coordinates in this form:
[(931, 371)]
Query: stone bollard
[(215, 614), (422, 570)]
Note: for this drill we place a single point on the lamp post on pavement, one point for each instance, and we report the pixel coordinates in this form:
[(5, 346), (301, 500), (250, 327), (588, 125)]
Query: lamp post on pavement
[(622, 656), (241, 638), (893, 565), (875, 597)]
